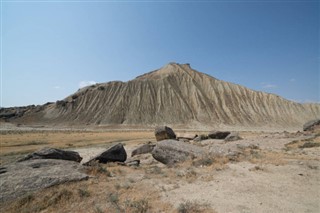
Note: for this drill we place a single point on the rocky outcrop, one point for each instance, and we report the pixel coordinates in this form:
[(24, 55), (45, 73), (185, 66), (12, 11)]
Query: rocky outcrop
[(218, 135), (52, 153), (312, 125), (21, 178), (143, 149), (164, 133), (174, 94), (171, 151), (117, 153)]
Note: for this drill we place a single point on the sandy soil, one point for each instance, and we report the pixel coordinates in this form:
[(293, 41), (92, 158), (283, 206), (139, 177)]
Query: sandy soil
[(271, 176)]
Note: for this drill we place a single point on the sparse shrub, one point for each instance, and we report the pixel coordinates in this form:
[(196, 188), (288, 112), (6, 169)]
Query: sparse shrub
[(114, 198), (203, 161), (255, 154), (96, 168), (313, 167), (97, 209), (288, 145), (126, 185), (192, 207), (83, 193), (139, 206), (256, 168), (131, 180), (154, 170), (64, 195), (309, 144), (117, 186)]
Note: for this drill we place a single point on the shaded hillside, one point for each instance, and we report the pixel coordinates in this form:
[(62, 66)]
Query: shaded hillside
[(174, 94)]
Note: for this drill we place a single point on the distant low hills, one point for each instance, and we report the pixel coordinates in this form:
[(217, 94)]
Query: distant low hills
[(175, 94)]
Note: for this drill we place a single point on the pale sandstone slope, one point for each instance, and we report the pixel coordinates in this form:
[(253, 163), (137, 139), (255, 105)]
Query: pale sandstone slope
[(174, 94)]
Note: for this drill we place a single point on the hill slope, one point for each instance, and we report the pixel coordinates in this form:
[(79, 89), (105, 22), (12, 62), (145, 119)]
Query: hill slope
[(174, 94)]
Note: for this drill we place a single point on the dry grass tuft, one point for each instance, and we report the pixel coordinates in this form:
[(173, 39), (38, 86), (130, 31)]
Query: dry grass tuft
[(194, 207)]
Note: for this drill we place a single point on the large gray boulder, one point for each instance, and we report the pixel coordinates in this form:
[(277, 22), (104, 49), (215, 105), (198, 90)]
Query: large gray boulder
[(143, 149), (171, 151), (20, 178), (311, 125), (117, 153), (52, 153), (218, 135), (163, 133)]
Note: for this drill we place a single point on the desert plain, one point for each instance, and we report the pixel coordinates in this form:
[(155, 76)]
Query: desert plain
[(265, 171)]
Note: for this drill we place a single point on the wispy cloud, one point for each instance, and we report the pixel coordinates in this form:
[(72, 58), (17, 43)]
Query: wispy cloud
[(269, 86), (292, 80), (86, 83), (56, 87)]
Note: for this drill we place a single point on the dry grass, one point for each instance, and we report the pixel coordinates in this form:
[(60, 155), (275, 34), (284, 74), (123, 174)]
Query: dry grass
[(194, 207), (116, 188), (15, 143), (111, 189), (305, 143)]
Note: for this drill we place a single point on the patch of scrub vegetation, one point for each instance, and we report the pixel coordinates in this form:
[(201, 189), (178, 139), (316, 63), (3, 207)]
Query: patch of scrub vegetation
[(194, 207)]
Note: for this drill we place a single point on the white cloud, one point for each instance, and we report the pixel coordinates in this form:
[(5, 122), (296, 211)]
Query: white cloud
[(267, 85), (56, 87), (86, 83), (292, 80)]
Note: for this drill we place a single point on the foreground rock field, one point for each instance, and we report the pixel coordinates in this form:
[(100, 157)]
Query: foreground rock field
[(252, 172)]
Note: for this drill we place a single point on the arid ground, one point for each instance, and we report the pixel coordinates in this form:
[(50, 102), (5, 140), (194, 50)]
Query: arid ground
[(263, 172)]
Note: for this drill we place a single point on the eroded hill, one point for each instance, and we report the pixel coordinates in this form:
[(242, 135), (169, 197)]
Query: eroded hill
[(176, 94)]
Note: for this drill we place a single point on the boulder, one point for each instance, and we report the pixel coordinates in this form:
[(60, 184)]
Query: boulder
[(52, 153), (218, 135), (117, 153), (21, 178), (234, 136), (312, 125), (164, 133), (143, 149), (187, 136), (171, 151)]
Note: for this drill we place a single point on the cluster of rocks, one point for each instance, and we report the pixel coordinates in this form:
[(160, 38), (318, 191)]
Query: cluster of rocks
[(50, 166), (171, 148)]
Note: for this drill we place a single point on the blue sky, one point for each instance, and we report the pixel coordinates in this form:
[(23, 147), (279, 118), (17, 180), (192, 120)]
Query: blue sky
[(50, 48)]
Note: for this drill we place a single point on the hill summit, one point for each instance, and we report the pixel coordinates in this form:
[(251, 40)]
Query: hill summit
[(175, 94)]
